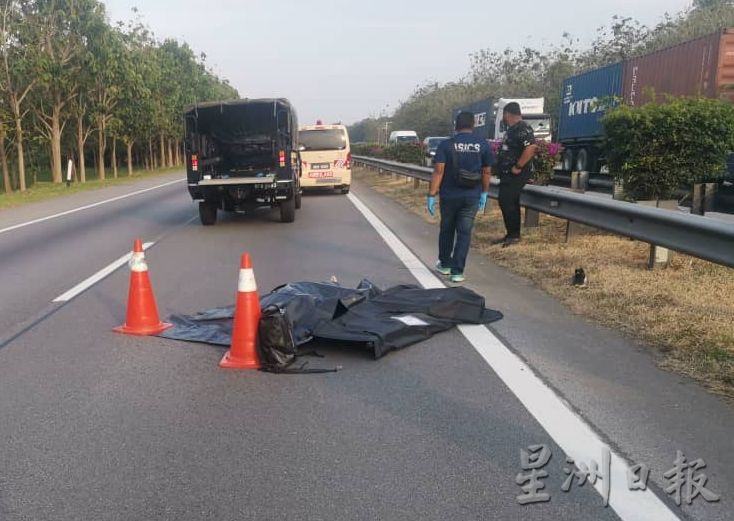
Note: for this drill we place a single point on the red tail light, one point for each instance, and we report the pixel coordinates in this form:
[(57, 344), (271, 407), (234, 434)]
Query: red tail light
[(348, 164), (194, 163), (281, 157)]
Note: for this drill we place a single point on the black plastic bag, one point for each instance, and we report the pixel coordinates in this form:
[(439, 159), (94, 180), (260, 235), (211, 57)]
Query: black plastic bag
[(277, 347)]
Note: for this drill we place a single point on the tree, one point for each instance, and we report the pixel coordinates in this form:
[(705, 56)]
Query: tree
[(17, 55), (62, 25), (4, 159), (108, 64)]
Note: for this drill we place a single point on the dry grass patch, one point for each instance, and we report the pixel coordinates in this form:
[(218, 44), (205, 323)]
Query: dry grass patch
[(685, 310)]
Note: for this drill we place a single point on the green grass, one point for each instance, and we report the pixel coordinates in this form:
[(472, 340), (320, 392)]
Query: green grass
[(44, 190)]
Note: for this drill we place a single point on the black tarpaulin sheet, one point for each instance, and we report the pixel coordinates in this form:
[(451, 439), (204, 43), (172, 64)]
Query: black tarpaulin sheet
[(381, 320)]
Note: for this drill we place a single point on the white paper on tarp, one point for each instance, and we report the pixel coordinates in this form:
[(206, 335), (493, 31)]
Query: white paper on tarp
[(410, 320)]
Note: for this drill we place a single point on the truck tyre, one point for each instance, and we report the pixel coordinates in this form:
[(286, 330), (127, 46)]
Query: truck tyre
[(288, 210), (208, 213), (582, 160), (298, 198), (568, 160), (345, 189)]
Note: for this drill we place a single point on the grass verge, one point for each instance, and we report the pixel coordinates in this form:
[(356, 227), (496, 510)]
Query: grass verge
[(686, 310), (42, 191)]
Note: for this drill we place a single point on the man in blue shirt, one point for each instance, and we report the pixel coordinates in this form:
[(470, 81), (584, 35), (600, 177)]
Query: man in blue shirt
[(461, 196)]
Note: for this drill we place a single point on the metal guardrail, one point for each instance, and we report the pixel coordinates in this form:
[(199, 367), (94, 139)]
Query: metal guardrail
[(701, 237)]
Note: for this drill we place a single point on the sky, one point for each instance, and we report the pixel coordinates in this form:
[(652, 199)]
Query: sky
[(347, 60)]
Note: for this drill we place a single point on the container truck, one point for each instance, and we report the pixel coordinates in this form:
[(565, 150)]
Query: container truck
[(700, 67), (488, 117)]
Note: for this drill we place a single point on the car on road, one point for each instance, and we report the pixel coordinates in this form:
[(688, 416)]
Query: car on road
[(430, 145), (326, 157), (402, 137), (241, 155)]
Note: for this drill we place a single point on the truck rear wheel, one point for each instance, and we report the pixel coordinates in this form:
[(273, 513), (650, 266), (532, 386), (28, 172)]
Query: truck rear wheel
[(288, 210), (582, 160), (568, 160), (208, 213), (298, 198)]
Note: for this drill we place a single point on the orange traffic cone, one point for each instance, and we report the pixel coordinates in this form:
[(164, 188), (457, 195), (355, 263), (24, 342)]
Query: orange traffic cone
[(142, 313), (243, 352)]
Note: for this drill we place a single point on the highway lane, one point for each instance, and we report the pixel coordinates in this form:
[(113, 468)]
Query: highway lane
[(42, 260), (101, 426)]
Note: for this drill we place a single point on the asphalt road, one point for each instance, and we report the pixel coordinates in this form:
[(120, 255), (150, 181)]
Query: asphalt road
[(102, 426)]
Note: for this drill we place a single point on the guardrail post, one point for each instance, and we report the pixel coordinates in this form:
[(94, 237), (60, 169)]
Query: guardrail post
[(579, 184), (697, 199), (532, 218), (659, 257), (416, 183), (573, 229), (580, 181), (709, 197), (618, 191)]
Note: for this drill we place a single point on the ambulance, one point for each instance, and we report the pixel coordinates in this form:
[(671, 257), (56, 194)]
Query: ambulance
[(326, 159)]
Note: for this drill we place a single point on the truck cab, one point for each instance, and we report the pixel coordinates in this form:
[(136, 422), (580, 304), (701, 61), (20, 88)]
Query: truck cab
[(241, 155), (533, 113)]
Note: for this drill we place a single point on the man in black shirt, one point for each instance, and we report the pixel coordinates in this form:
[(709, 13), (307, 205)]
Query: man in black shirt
[(515, 166)]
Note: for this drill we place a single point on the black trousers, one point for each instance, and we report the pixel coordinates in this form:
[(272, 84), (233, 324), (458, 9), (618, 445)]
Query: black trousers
[(509, 199)]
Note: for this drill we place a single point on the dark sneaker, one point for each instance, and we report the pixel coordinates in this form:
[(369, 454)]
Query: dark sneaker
[(498, 241), (509, 242)]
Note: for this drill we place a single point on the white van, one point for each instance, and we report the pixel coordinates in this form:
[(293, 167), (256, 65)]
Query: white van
[(326, 158), (399, 137)]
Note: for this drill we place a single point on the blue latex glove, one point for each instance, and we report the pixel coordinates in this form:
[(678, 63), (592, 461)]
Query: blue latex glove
[(431, 205), (483, 201)]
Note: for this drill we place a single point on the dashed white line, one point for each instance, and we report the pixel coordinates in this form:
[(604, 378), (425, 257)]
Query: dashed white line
[(101, 274), (87, 207), (577, 439)]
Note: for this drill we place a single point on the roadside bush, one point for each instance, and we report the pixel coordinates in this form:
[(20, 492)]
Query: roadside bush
[(404, 153), (367, 149), (545, 161), (657, 148)]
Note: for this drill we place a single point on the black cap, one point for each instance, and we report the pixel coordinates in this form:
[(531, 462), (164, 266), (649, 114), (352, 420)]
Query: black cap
[(465, 121), (513, 108)]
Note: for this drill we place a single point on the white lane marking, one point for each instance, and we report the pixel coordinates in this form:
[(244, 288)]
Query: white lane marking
[(86, 207), (577, 439), (101, 274)]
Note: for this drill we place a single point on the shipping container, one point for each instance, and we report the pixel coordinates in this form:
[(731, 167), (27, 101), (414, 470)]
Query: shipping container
[(700, 67), (584, 101), (688, 69)]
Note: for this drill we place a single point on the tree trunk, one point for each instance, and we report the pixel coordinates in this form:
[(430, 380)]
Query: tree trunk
[(170, 153), (151, 156), (114, 158), (101, 147), (80, 148), (177, 146), (4, 160), (57, 173), (19, 148), (162, 151), (129, 145)]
